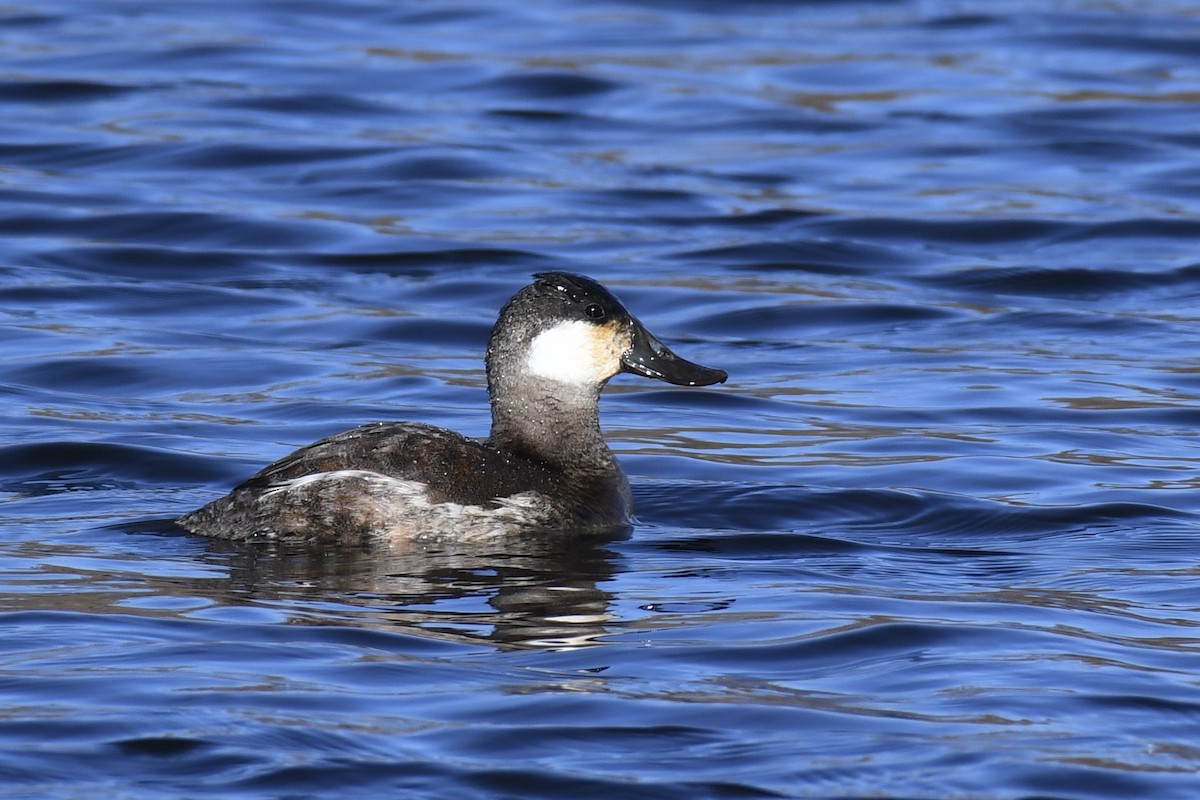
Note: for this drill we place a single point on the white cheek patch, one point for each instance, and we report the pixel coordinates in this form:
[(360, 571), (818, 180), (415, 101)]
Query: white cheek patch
[(571, 352)]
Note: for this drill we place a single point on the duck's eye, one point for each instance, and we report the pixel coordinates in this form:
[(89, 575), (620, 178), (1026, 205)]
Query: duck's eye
[(594, 311)]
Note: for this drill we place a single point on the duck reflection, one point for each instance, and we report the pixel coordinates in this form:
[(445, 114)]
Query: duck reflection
[(541, 591)]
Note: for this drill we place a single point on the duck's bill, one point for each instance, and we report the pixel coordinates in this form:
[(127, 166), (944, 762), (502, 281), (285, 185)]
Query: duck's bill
[(652, 358)]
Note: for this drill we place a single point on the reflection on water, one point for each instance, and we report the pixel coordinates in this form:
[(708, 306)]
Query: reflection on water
[(542, 593), (532, 592)]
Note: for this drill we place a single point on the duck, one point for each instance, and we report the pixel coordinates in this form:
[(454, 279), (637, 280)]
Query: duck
[(545, 465)]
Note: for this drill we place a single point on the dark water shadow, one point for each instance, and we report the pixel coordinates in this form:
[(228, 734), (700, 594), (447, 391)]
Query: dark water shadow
[(530, 591)]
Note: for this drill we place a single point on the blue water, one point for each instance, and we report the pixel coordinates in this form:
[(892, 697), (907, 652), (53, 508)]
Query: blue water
[(937, 536)]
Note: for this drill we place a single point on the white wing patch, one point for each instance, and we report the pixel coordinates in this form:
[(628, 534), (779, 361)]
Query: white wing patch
[(414, 490), (401, 510)]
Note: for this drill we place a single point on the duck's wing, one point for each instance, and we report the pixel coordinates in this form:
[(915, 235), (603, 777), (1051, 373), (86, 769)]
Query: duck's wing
[(450, 465)]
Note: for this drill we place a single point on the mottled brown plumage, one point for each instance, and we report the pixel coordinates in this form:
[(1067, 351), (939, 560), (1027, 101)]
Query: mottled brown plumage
[(450, 468)]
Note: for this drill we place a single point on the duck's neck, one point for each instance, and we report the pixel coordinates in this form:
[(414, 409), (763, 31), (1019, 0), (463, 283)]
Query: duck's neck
[(557, 423)]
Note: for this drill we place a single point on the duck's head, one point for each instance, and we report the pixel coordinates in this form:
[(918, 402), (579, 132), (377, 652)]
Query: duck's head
[(568, 329)]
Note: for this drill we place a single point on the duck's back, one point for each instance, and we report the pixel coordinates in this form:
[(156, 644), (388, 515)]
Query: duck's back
[(394, 480)]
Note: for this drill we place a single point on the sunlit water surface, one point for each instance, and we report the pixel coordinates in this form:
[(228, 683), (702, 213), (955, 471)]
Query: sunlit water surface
[(935, 538)]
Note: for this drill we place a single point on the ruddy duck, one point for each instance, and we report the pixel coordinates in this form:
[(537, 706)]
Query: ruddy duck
[(545, 465)]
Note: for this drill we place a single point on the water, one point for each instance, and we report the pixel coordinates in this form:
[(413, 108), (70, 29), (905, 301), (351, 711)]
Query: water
[(935, 538)]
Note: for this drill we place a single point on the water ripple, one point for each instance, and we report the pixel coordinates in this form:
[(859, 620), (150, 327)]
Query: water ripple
[(939, 521)]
